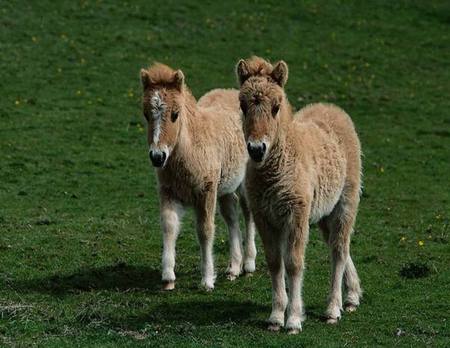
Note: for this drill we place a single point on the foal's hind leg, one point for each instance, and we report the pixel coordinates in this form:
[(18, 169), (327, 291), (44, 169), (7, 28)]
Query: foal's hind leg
[(205, 211), (351, 279), (250, 247), (230, 213), (339, 226), (353, 286)]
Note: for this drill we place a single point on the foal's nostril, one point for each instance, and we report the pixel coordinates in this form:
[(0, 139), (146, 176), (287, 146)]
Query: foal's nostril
[(158, 158), (256, 151)]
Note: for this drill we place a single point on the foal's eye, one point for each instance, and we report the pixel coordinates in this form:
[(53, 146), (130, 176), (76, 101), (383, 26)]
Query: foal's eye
[(275, 109), (174, 116)]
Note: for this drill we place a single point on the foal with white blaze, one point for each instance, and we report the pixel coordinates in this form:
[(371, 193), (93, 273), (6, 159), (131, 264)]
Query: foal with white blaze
[(199, 153), (303, 169)]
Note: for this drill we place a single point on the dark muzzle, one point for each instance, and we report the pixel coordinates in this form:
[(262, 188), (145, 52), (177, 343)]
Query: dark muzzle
[(158, 158), (256, 151)]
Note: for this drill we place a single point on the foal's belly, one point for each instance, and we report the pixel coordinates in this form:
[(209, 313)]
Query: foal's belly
[(231, 181), (320, 209), (324, 202)]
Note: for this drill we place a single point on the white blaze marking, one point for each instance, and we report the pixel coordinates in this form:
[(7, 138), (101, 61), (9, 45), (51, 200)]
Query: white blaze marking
[(158, 109)]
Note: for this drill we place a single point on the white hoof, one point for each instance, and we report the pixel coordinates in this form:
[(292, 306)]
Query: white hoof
[(207, 285), (333, 313), (350, 307), (231, 276), (168, 286), (275, 322), (294, 331), (294, 323), (274, 327), (234, 271), (332, 321)]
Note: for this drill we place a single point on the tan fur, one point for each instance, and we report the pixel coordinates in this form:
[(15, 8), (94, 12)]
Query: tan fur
[(310, 173), (206, 159)]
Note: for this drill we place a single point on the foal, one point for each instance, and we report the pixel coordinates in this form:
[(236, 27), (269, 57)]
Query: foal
[(199, 153), (303, 170)]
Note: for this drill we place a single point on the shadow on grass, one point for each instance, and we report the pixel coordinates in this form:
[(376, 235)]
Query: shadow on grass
[(173, 314), (184, 314), (115, 277)]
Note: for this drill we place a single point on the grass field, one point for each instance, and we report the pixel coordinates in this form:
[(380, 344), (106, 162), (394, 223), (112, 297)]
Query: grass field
[(79, 228)]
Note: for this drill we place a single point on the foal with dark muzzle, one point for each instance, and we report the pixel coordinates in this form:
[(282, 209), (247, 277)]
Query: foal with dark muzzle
[(199, 153)]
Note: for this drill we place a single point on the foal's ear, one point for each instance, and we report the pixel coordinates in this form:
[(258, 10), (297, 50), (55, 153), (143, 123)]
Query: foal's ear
[(178, 80), (242, 71), (280, 73), (145, 79)]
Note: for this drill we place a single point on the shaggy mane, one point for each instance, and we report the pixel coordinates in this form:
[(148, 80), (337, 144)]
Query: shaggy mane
[(160, 73), (259, 66)]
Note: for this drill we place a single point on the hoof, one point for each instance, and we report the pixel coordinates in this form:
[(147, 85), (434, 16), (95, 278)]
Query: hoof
[(332, 321), (233, 272), (231, 276), (274, 327), (207, 286), (168, 286), (350, 308), (293, 331), (333, 314)]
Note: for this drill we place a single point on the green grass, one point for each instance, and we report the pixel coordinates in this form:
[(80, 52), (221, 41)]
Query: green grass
[(79, 228)]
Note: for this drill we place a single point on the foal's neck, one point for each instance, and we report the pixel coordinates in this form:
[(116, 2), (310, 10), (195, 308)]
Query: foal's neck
[(188, 120), (286, 118), (276, 157)]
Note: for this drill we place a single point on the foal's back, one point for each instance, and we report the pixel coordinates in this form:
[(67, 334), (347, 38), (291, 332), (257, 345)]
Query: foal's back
[(221, 99), (329, 117), (221, 111)]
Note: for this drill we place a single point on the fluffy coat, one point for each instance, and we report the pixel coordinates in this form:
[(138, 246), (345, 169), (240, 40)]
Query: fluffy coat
[(204, 158), (310, 173)]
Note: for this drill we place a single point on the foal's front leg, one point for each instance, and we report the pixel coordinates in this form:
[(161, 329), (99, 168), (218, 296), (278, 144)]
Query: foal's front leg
[(294, 260), (205, 211), (272, 250), (171, 214)]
